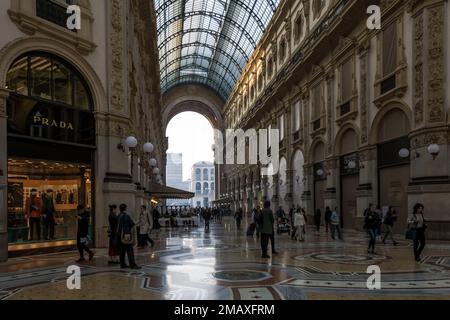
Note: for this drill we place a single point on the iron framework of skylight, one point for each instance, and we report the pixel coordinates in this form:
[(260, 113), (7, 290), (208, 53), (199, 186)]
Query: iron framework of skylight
[(209, 41)]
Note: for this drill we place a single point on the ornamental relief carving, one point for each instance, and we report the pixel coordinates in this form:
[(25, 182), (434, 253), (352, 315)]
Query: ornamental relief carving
[(117, 51), (436, 94), (363, 98), (418, 69), (424, 140)]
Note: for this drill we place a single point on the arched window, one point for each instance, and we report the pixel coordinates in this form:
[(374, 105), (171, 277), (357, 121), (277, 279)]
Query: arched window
[(198, 175), (282, 50), (298, 27), (198, 187), (212, 174), (318, 6), (205, 174), (44, 76), (205, 188), (270, 68), (212, 186)]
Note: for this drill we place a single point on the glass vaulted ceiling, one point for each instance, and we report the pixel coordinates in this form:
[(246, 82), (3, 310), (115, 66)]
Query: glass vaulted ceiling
[(209, 41)]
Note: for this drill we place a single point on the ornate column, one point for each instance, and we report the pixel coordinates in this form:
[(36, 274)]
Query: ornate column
[(368, 182), (289, 188), (264, 181), (309, 185), (332, 169), (3, 177), (276, 191)]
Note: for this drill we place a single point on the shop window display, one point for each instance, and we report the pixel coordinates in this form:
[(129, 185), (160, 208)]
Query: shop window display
[(43, 197)]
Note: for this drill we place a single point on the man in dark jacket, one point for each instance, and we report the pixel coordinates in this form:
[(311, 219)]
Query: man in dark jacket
[(48, 215), (82, 233), (328, 214), (125, 234), (267, 232)]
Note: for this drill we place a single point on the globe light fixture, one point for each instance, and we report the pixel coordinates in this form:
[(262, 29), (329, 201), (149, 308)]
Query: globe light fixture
[(351, 164), (148, 147), (404, 153), (152, 162), (131, 142), (156, 171), (434, 150), (320, 172)]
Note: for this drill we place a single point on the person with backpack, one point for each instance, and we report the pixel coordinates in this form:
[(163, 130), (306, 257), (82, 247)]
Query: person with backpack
[(372, 223), (145, 226), (83, 233), (125, 235), (416, 223), (389, 220)]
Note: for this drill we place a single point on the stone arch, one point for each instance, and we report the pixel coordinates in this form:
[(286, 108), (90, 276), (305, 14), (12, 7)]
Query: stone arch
[(196, 98), (341, 135), (16, 48), (387, 108), (317, 143)]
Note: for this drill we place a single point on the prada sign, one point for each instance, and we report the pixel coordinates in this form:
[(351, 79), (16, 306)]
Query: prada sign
[(39, 120), (44, 120)]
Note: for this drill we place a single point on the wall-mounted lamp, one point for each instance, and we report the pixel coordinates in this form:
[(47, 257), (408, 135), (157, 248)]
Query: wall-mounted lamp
[(434, 150), (320, 172), (351, 165), (404, 153), (153, 163)]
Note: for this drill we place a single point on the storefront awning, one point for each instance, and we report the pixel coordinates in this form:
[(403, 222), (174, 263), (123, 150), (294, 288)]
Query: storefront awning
[(164, 192)]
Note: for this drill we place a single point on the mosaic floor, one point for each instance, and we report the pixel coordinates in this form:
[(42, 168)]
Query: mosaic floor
[(224, 264)]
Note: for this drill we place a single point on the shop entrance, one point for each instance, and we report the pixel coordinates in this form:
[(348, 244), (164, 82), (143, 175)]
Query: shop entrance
[(36, 182)]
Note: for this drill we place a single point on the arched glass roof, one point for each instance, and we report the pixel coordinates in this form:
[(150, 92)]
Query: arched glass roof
[(209, 41)]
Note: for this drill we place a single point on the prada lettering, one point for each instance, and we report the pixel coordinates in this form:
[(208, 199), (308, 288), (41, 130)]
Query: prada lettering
[(52, 123)]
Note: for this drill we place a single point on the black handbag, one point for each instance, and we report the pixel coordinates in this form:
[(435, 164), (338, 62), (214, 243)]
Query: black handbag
[(411, 234)]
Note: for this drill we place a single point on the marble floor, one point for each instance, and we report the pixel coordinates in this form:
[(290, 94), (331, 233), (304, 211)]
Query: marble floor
[(224, 264)]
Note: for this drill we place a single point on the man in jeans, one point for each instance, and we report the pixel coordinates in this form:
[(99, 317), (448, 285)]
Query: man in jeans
[(336, 224), (267, 232), (125, 234)]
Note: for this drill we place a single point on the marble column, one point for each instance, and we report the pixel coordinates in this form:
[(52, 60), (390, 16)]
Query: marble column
[(276, 192), (368, 182), (308, 204), (289, 188), (332, 169), (3, 177)]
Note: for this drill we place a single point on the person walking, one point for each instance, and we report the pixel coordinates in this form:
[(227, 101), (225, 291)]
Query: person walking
[(238, 217), (156, 216), (300, 223), (372, 223), (328, 214), (83, 233), (125, 235), (317, 219), (416, 222), (335, 222), (267, 232), (389, 220), (207, 218), (145, 226), (256, 218), (113, 250)]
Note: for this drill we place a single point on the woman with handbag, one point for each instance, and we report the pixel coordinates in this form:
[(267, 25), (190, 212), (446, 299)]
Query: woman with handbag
[(83, 234), (416, 232), (113, 250), (125, 238)]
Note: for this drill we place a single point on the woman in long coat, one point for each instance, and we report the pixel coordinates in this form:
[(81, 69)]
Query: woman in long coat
[(112, 234)]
